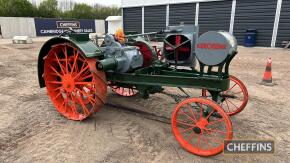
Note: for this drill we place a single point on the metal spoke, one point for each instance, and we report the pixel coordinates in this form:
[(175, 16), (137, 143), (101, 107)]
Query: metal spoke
[(193, 115), (227, 105), (57, 96), (82, 70), (60, 65), (85, 109), (218, 131), (83, 83), (56, 72), (75, 61), (54, 82), (232, 87), (64, 50), (210, 114), (190, 128), (184, 123), (232, 103), (214, 122), (191, 136), (187, 115), (92, 101)]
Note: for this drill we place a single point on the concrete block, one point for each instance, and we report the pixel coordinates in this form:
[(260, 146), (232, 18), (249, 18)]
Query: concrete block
[(22, 40)]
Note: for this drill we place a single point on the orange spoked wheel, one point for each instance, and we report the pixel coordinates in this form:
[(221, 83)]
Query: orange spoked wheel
[(75, 88), (233, 100), (122, 91), (201, 126)]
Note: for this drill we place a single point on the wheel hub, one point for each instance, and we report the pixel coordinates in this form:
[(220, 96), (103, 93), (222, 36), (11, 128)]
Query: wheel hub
[(197, 130), (68, 82), (202, 123)]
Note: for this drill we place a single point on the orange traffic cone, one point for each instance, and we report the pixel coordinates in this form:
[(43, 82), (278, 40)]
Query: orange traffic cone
[(267, 78)]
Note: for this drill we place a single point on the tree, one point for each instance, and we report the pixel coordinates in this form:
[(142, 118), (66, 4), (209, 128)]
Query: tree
[(102, 12), (48, 9), (82, 11), (17, 8), (3, 7)]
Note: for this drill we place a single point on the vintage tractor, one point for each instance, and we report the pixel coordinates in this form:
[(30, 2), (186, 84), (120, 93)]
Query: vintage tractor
[(77, 73)]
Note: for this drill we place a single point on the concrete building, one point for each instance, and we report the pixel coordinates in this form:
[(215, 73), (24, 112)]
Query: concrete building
[(269, 17)]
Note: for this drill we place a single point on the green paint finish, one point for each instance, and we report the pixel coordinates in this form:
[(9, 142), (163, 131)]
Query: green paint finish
[(79, 37), (107, 64), (83, 42), (90, 49), (158, 77)]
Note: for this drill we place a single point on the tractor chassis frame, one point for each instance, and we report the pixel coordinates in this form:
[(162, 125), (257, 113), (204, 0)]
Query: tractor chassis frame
[(151, 79)]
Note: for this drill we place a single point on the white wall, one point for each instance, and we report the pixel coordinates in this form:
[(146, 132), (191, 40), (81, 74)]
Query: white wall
[(113, 26), (11, 26), (100, 26), (18, 26)]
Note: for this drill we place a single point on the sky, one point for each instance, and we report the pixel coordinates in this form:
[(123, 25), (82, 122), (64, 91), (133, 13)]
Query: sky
[(102, 2)]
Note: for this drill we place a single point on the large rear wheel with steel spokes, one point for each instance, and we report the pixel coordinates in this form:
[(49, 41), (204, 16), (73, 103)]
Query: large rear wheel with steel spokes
[(201, 126), (74, 89)]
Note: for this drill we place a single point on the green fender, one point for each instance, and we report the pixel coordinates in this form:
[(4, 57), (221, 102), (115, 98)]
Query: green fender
[(80, 41)]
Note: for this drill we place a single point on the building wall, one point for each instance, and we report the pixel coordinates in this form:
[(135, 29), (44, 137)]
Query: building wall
[(214, 16), (100, 26), (11, 26), (18, 26), (182, 13), (132, 19), (258, 15), (284, 25), (154, 18), (234, 16)]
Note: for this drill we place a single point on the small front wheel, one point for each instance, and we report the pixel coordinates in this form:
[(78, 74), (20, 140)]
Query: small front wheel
[(233, 100), (201, 126)]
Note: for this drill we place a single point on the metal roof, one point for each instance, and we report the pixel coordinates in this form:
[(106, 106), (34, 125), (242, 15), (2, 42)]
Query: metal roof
[(134, 3), (114, 18)]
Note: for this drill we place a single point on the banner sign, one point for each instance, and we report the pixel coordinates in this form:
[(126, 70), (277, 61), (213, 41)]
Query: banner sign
[(53, 27)]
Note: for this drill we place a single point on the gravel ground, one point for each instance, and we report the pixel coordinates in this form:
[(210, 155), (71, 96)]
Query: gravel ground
[(31, 130)]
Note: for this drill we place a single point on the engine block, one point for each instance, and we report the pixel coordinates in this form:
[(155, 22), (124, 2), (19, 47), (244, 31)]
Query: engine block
[(125, 58)]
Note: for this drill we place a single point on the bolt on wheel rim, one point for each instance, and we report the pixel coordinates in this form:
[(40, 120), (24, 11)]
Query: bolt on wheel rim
[(199, 133), (70, 84)]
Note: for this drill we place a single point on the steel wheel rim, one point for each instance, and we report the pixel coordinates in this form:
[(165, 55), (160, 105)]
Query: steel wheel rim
[(233, 106), (70, 84), (206, 143)]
